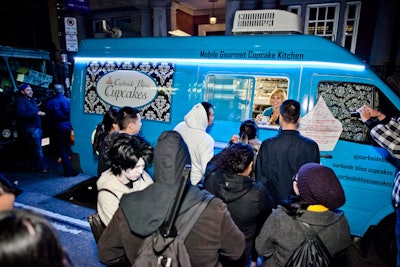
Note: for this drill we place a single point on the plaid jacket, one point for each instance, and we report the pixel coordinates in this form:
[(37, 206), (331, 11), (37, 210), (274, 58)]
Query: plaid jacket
[(388, 136)]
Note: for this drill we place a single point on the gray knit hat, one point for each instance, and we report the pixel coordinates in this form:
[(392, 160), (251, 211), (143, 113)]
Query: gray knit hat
[(319, 185)]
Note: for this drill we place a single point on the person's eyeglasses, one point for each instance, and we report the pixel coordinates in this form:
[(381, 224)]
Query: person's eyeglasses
[(294, 178)]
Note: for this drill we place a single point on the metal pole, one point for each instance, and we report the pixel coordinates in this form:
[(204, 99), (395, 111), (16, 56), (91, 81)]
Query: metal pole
[(67, 83)]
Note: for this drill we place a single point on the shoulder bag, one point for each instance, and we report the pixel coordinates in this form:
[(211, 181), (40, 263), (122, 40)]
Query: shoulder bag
[(96, 225)]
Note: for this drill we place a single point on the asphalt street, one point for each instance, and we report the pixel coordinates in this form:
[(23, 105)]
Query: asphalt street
[(41, 193)]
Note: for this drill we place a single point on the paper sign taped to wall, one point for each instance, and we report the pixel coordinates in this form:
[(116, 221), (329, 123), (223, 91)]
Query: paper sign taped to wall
[(320, 125)]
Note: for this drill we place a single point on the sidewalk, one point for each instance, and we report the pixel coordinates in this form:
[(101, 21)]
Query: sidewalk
[(41, 193)]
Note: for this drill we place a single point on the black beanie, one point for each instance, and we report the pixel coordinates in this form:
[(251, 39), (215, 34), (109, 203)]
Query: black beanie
[(23, 86), (8, 187), (318, 184)]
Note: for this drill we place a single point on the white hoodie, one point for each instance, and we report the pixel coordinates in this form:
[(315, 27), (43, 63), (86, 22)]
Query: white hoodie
[(199, 142)]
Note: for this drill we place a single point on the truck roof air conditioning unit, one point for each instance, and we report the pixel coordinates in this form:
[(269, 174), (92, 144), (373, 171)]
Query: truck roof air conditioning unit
[(266, 21)]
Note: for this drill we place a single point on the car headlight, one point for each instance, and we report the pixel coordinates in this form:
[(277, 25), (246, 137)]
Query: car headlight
[(6, 133)]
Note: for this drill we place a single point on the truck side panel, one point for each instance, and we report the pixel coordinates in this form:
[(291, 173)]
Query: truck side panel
[(237, 74)]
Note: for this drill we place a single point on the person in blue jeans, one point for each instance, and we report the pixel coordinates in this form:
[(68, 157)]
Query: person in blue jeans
[(29, 126), (58, 108), (386, 132)]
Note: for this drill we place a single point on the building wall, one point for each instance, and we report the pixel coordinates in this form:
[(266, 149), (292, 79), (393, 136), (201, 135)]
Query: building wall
[(378, 33), (184, 22), (27, 23), (365, 36)]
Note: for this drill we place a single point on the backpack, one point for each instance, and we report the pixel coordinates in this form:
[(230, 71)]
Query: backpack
[(170, 251), (311, 252)]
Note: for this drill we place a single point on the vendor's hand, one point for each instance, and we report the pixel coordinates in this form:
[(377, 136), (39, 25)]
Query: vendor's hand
[(274, 118), (258, 117)]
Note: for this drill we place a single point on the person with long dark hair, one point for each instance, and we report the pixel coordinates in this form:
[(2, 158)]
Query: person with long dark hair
[(129, 156), (28, 239), (141, 213), (249, 202), (107, 126), (129, 123)]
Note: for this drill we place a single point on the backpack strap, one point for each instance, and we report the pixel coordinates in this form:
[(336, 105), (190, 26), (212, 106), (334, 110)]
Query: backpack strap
[(105, 189), (183, 225), (168, 229), (316, 236), (186, 221)]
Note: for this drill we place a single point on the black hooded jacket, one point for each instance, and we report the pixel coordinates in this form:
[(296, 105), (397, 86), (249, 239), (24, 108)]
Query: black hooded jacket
[(248, 202), (214, 235), (146, 210)]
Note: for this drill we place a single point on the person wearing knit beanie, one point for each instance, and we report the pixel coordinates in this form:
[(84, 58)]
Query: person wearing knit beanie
[(8, 192), (319, 185), (319, 197)]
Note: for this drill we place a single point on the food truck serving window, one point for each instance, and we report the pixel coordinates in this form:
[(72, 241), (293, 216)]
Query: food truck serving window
[(231, 95), (234, 95)]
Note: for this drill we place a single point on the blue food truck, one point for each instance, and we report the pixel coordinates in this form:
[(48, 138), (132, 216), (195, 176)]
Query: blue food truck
[(165, 76)]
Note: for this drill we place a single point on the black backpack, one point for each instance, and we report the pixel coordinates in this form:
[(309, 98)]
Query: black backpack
[(157, 250), (311, 252), (166, 246)]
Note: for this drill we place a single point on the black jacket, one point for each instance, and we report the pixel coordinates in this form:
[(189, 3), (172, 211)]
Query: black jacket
[(27, 113), (142, 212), (248, 202), (279, 159)]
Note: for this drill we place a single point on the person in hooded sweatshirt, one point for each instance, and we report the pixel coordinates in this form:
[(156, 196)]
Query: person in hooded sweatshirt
[(194, 132), (141, 213), (249, 202)]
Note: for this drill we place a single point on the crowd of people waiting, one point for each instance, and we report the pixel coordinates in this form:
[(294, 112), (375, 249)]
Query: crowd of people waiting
[(253, 187), (262, 192)]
